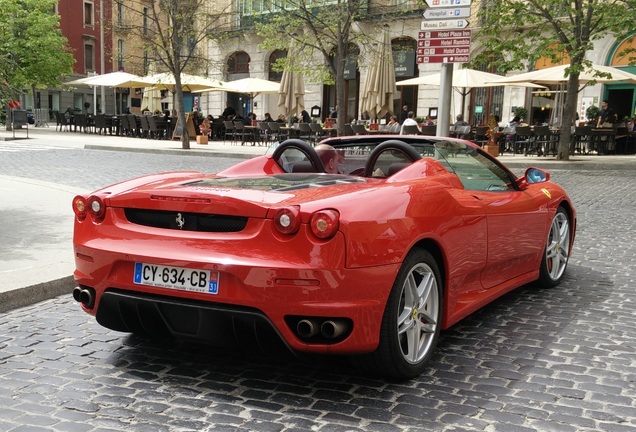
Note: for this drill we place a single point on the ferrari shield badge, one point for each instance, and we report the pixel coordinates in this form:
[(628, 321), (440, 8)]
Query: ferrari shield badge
[(547, 193)]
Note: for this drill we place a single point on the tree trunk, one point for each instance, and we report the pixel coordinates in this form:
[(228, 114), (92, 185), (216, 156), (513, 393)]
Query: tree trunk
[(185, 138), (340, 88), (567, 121)]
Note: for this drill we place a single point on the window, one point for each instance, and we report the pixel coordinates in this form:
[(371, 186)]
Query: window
[(274, 75), (120, 54), (238, 62), (146, 64), (145, 21), (89, 56), (88, 14), (120, 14)]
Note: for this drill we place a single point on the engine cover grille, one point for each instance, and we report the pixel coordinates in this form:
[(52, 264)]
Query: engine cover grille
[(186, 221)]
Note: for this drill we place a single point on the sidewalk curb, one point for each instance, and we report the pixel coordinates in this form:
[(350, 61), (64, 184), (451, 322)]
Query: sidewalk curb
[(174, 152), (36, 293)]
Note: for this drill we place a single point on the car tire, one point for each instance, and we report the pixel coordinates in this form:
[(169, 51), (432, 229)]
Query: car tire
[(557, 250), (412, 320)]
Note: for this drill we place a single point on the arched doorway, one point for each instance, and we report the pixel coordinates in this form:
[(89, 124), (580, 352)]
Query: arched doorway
[(622, 96)]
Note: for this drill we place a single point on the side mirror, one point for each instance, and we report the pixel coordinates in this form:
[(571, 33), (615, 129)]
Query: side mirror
[(536, 175)]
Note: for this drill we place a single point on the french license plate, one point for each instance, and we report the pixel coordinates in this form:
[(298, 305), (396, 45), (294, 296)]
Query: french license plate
[(179, 278)]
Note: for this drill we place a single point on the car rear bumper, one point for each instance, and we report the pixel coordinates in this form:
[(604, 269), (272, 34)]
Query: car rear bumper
[(270, 299)]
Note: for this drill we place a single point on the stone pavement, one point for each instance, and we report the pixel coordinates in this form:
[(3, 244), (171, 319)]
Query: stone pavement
[(36, 257)]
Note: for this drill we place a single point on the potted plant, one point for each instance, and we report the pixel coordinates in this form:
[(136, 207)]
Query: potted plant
[(520, 112), (492, 146), (592, 113)]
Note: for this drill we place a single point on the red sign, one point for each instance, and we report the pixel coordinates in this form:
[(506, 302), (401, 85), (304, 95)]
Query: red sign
[(444, 46), (443, 51), (443, 59), (425, 43), (444, 34)]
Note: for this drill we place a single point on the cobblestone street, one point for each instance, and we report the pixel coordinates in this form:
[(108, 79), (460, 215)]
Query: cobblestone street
[(562, 359)]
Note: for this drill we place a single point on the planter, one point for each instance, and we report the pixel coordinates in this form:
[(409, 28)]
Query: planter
[(492, 150)]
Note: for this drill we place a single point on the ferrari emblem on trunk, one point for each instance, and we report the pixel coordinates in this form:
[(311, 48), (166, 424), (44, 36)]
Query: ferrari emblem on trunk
[(180, 220)]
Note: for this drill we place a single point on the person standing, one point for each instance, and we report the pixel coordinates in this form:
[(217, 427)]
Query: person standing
[(606, 114), (404, 114)]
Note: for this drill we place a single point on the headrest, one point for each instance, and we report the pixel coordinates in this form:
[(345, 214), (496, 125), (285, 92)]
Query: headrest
[(303, 167)]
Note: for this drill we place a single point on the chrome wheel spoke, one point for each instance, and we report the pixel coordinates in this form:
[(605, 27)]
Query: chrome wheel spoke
[(557, 250), (417, 321)]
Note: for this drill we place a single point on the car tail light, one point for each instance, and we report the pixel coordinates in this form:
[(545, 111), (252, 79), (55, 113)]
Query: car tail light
[(287, 220), (80, 207), (96, 208), (324, 223)]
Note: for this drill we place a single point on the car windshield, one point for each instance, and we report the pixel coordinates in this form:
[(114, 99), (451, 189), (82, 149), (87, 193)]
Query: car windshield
[(475, 170)]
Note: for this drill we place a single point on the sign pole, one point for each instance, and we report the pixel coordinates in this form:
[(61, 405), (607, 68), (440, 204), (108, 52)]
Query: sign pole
[(446, 87)]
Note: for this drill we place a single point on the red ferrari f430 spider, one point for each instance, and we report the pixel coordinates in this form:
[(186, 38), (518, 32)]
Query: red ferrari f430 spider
[(368, 246)]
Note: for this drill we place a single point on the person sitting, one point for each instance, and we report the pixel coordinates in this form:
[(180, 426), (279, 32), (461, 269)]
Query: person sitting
[(305, 116), (330, 158), (250, 119), (462, 129), (428, 121), (281, 119), (268, 118), (393, 126), (410, 121)]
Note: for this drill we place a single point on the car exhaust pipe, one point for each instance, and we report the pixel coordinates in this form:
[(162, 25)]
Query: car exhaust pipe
[(307, 328), (76, 293), (332, 329), (86, 296)]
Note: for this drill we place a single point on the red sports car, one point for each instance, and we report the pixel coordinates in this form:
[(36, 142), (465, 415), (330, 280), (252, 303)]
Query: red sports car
[(406, 236)]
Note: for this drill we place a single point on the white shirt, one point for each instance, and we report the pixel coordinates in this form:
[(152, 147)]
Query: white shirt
[(409, 122)]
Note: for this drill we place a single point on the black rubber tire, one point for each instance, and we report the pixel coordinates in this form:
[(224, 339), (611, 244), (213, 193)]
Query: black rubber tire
[(389, 359), (557, 250)]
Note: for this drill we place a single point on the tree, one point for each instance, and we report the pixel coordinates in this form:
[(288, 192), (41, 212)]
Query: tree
[(33, 51), (171, 33), (326, 28), (516, 33)]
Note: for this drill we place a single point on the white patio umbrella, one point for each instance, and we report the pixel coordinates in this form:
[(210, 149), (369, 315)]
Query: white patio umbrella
[(556, 75), (379, 85), (251, 87), (291, 93), (113, 79), (189, 83), (464, 80)]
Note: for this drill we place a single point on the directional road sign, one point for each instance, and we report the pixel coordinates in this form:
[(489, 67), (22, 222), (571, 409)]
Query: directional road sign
[(444, 34), (447, 3), (444, 51), (444, 24), (447, 13), (459, 42), (443, 59)]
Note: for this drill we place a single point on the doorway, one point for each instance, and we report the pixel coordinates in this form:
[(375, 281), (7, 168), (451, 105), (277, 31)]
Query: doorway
[(622, 100)]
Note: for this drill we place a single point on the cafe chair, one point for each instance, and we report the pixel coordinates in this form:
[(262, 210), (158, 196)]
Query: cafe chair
[(429, 130), (542, 143), (276, 133), (481, 135), (524, 139), (229, 132), (318, 132), (359, 129)]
